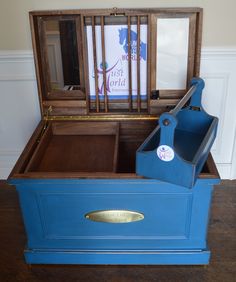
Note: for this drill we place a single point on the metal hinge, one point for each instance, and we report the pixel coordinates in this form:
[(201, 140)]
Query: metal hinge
[(42, 131), (49, 110)]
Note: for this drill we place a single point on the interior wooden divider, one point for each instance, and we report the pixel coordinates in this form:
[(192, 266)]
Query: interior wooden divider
[(129, 64), (148, 62), (138, 65), (95, 63), (84, 51), (104, 64)]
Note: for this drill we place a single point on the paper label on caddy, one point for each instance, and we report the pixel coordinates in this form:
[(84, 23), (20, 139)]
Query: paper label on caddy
[(165, 153)]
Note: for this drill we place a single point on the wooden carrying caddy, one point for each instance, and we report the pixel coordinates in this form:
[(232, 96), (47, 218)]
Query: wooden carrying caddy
[(104, 78), (179, 146)]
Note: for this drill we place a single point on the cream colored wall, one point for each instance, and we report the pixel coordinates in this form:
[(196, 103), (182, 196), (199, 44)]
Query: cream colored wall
[(218, 26)]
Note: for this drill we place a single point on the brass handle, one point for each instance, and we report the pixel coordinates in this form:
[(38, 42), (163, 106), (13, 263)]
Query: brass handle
[(114, 216)]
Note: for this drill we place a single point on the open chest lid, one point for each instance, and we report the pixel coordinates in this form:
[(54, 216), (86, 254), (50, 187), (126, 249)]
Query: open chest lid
[(114, 63)]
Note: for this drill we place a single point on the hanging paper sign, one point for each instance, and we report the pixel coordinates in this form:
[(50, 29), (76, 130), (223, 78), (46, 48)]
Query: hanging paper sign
[(116, 62)]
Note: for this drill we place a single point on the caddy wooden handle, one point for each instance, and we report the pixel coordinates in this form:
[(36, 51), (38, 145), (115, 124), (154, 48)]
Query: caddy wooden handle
[(168, 121)]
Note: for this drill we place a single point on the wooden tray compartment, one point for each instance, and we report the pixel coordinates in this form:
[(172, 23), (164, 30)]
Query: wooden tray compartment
[(49, 153), (84, 147), (44, 159)]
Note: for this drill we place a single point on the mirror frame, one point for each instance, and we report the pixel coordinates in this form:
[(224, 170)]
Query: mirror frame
[(192, 66), (60, 94)]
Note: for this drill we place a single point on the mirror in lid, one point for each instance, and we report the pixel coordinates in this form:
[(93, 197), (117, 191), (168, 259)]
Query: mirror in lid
[(61, 56)]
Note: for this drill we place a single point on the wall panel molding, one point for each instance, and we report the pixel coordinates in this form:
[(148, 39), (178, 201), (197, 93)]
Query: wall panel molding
[(219, 53), (17, 78), (16, 55), (18, 92), (17, 66)]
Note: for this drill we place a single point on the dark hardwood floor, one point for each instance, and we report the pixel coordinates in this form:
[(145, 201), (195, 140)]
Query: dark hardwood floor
[(222, 242)]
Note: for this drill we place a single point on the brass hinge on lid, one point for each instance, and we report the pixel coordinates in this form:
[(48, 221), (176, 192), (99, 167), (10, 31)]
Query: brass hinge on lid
[(49, 110), (118, 117), (94, 117)]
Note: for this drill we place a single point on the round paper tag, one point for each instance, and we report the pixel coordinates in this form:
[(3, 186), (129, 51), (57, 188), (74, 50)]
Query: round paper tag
[(165, 153)]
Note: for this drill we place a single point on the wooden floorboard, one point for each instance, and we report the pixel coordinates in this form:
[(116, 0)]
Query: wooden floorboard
[(222, 242)]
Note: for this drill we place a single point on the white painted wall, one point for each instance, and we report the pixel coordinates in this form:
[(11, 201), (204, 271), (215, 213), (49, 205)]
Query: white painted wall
[(219, 19), (19, 107)]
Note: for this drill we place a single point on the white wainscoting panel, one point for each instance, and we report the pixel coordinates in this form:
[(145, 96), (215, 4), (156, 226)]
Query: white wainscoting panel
[(20, 114), (233, 163), (19, 107), (218, 69)]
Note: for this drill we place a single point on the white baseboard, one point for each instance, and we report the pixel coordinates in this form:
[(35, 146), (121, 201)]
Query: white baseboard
[(224, 170), (8, 159)]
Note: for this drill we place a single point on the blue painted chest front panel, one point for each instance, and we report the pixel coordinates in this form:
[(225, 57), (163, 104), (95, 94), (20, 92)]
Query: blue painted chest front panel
[(175, 218)]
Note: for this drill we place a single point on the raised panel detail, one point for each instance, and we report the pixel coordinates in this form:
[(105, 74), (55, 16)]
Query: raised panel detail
[(167, 216)]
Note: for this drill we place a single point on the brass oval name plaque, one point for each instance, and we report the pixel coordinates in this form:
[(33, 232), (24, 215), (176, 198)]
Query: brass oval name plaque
[(114, 216)]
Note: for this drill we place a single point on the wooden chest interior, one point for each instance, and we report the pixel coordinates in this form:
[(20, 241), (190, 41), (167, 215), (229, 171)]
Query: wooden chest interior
[(88, 147), (90, 124)]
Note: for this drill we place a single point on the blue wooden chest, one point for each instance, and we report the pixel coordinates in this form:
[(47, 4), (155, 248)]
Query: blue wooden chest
[(173, 229), (104, 79)]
